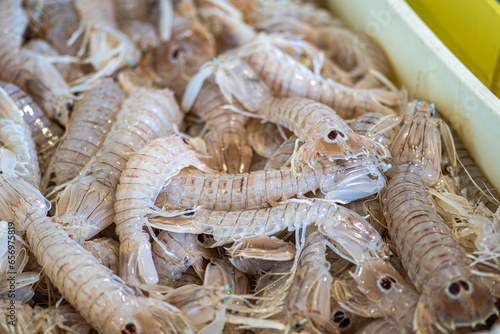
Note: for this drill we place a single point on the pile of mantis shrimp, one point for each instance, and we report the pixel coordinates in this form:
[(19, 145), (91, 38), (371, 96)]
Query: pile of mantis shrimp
[(228, 166)]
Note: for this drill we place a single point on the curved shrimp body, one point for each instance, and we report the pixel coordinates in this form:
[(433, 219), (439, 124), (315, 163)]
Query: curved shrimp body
[(33, 74), (45, 133), (90, 287), (91, 121), (15, 135), (287, 77), (323, 132), (226, 136), (86, 205), (347, 181), (452, 294), (141, 181)]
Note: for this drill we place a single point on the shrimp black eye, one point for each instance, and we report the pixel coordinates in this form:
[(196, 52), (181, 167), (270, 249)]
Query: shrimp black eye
[(345, 323), (464, 285), (386, 282), (454, 289), (175, 54), (333, 135), (338, 316), (201, 238), (129, 329)]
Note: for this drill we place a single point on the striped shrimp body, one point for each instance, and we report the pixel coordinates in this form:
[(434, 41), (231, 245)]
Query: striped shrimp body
[(90, 287), (332, 220), (141, 181), (91, 121), (86, 205), (108, 48), (32, 73), (342, 181), (288, 77), (15, 135), (323, 132), (45, 133), (452, 294), (297, 9)]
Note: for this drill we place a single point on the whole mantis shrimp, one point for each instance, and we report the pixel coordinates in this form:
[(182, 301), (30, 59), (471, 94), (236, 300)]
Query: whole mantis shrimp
[(86, 205), (344, 180), (15, 135), (141, 181), (90, 122), (323, 132), (452, 294), (90, 287), (287, 77), (32, 73)]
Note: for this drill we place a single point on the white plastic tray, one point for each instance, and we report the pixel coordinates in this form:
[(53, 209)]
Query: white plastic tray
[(428, 70)]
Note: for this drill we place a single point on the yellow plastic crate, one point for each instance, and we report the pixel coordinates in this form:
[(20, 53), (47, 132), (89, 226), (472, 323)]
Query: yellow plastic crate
[(424, 66), (471, 30)]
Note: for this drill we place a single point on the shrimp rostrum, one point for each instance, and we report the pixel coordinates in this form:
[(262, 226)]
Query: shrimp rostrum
[(453, 295)]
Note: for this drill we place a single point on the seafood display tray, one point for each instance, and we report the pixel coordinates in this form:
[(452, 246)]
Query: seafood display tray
[(424, 66)]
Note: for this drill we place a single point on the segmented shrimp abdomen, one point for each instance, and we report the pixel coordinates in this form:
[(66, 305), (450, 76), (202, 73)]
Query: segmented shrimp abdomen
[(423, 241), (45, 133), (91, 122)]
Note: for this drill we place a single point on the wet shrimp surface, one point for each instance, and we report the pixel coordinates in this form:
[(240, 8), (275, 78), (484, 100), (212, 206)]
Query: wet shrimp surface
[(228, 166)]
